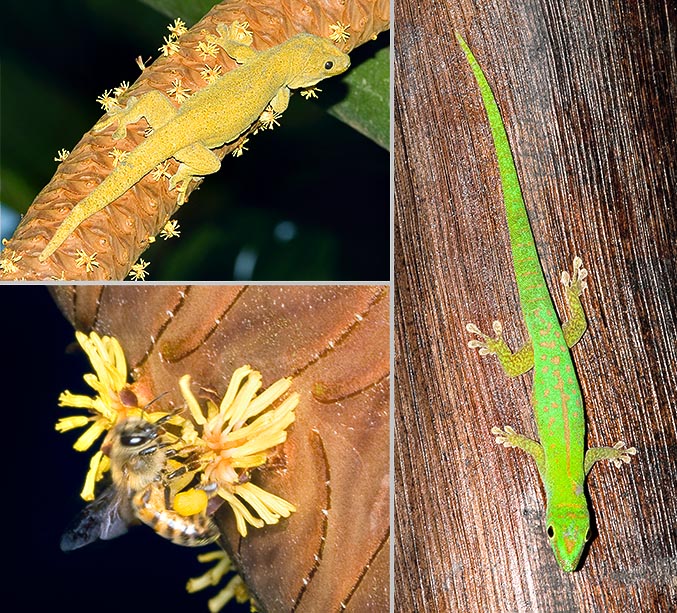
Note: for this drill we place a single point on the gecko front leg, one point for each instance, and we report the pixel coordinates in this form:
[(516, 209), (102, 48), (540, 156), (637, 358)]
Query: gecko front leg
[(513, 364), (153, 106), (195, 160)]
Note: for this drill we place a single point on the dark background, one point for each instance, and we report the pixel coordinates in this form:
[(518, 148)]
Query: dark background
[(139, 571)]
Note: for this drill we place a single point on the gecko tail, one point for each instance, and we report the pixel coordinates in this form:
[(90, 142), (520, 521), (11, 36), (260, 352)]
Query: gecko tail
[(111, 188), (78, 214)]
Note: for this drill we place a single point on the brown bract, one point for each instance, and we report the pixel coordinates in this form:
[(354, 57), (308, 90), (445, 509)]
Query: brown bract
[(334, 467), (120, 233)]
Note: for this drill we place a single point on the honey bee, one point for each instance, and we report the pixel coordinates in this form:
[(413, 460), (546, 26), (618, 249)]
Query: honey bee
[(139, 492)]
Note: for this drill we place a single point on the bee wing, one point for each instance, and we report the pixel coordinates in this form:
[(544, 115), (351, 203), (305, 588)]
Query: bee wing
[(102, 519)]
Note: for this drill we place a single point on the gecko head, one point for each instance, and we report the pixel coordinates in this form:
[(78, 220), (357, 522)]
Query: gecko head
[(568, 531), (313, 59)]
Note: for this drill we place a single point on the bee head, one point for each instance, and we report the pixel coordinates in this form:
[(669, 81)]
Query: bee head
[(137, 433)]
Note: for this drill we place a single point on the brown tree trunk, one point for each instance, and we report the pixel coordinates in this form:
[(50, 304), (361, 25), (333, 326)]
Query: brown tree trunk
[(587, 92)]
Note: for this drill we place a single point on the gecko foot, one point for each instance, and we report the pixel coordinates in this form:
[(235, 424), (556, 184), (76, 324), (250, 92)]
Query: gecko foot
[(618, 455), (575, 283), (181, 189), (236, 32), (509, 438), (513, 364), (117, 113), (486, 345), (506, 437)]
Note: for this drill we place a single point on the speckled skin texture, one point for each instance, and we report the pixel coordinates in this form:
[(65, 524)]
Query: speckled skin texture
[(214, 116)]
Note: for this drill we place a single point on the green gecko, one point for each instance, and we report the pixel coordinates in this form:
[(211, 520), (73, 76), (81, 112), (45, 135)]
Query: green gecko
[(556, 396), (212, 117)]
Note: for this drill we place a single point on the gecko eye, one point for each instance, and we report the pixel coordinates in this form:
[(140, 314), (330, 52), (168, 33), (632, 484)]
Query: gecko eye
[(328, 65), (551, 532)]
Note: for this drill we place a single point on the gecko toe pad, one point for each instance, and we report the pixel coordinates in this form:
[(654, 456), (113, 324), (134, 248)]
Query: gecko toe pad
[(575, 282), (485, 344)]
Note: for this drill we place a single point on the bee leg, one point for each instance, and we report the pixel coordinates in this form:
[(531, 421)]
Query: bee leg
[(155, 400), (156, 447), (188, 451), (150, 450), (186, 468)]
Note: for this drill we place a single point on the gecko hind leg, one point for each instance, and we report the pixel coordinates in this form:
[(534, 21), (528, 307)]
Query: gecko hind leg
[(509, 438), (513, 364), (194, 161), (618, 455), (575, 285), (153, 106), (280, 101)]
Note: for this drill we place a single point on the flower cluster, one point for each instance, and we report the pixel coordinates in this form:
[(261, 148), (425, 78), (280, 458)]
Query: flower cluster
[(229, 440), (234, 589), (237, 436), (113, 400)]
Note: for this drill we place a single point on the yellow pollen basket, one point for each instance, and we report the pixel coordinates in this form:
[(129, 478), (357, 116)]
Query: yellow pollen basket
[(190, 502)]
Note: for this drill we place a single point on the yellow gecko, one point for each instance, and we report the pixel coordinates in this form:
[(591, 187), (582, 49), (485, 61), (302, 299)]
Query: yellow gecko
[(212, 117)]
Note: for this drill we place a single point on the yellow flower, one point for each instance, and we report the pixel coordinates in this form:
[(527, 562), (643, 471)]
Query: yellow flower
[(171, 229), (339, 32), (178, 91), (9, 260), (235, 588), (237, 436), (170, 47), (121, 89), (118, 155), (138, 271), (62, 154), (240, 149), (177, 28), (210, 74), (88, 261), (106, 406), (207, 49), (269, 119), (107, 100), (161, 170)]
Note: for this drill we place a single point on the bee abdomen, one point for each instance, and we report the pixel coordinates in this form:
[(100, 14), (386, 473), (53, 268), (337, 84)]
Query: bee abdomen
[(192, 531)]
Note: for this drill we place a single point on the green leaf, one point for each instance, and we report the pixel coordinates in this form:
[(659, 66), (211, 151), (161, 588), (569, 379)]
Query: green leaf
[(366, 107)]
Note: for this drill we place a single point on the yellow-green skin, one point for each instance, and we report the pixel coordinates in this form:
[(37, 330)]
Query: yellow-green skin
[(556, 396), (214, 116)]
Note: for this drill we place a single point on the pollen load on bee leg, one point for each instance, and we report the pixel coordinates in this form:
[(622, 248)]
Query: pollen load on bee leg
[(193, 531)]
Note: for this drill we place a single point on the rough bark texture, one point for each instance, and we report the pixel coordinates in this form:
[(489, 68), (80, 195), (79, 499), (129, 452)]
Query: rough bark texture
[(119, 234), (334, 341), (588, 94)]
